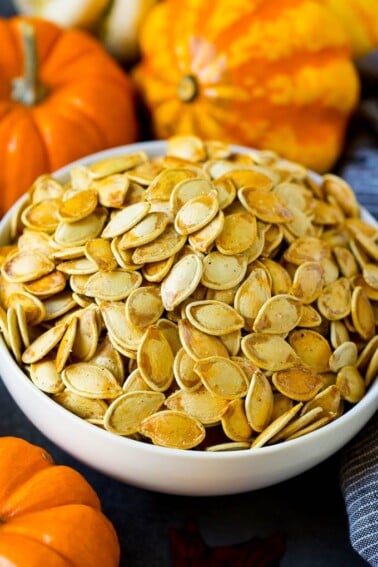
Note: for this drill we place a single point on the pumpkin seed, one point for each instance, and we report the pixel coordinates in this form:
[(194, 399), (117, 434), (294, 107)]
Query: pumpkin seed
[(156, 271), (226, 191), (338, 334), (307, 249), (183, 370), (232, 446), (87, 334), (144, 306), (362, 314), (80, 266), (14, 335), (197, 344), (345, 354), (234, 422), (308, 282), (164, 246), (190, 148), (174, 429), (279, 276), (58, 305), (112, 190), (112, 286), (259, 402), (342, 193), (124, 337), (196, 213), (26, 266), (214, 317), (66, 344), (171, 333), (299, 384), (135, 382), (223, 272), (275, 426), (267, 207), (86, 408), (335, 300), (118, 164), (70, 235), (187, 190), (99, 252), (296, 425), (181, 281), (91, 381), (46, 377), (269, 352), (238, 234), (79, 206), (46, 286), (43, 344), (164, 183), (202, 240), (146, 230), (351, 384), (279, 315), (310, 317), (33, 308), (312, 348), (251, 295), (200, 404), (42, 215), (222, 377), (155, 359), (372, 369), (125, 413), (125, 219), (346, 261)]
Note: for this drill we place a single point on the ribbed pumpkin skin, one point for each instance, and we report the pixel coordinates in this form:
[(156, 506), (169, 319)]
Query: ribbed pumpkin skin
[(274, 75), (360, 21), (49, 515), (89, 105)]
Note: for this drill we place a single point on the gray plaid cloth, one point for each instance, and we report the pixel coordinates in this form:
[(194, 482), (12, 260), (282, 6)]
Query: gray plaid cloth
[(359, 460), (359, 485)]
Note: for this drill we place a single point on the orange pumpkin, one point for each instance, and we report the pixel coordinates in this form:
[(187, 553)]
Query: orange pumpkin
[(80, 102), (49, 514), (274, 74)]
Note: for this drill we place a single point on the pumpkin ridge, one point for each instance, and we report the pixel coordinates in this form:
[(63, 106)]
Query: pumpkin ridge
[(34, 494), (59, 528), (15, 548), (34, 460)]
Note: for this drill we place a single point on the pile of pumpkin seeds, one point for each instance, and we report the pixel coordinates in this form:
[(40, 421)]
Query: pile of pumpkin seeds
[(205, 298)]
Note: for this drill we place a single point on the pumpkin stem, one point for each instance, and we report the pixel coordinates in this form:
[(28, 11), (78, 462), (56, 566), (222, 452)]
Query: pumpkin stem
[(188, 88), (28, 90)]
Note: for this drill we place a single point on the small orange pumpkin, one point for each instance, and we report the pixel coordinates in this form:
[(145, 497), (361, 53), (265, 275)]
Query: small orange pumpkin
[(274, 74), (49, 514), (79, 102)]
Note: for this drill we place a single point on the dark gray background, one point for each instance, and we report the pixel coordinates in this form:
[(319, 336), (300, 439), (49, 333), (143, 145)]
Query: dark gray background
[(308, 509)]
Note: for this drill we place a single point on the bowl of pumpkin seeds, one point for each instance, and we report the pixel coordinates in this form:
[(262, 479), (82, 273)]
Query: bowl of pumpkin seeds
[(190, 316)]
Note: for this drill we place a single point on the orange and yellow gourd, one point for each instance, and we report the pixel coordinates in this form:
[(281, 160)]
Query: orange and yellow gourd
[(275, 75)]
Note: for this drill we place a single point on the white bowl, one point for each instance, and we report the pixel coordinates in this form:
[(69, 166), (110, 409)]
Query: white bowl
[(171, 470)]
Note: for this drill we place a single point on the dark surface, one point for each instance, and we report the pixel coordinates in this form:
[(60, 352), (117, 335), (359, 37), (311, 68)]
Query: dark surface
[(308, 509)]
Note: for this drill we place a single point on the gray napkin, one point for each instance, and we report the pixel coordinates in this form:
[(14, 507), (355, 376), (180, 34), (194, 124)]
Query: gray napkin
[(359, 460), (359, 485)]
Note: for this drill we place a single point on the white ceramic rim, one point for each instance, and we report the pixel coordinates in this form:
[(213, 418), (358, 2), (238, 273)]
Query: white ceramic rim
[(367, 406)]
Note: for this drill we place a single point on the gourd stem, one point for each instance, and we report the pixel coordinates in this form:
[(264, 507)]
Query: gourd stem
[(28, 90), (188, 89)]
